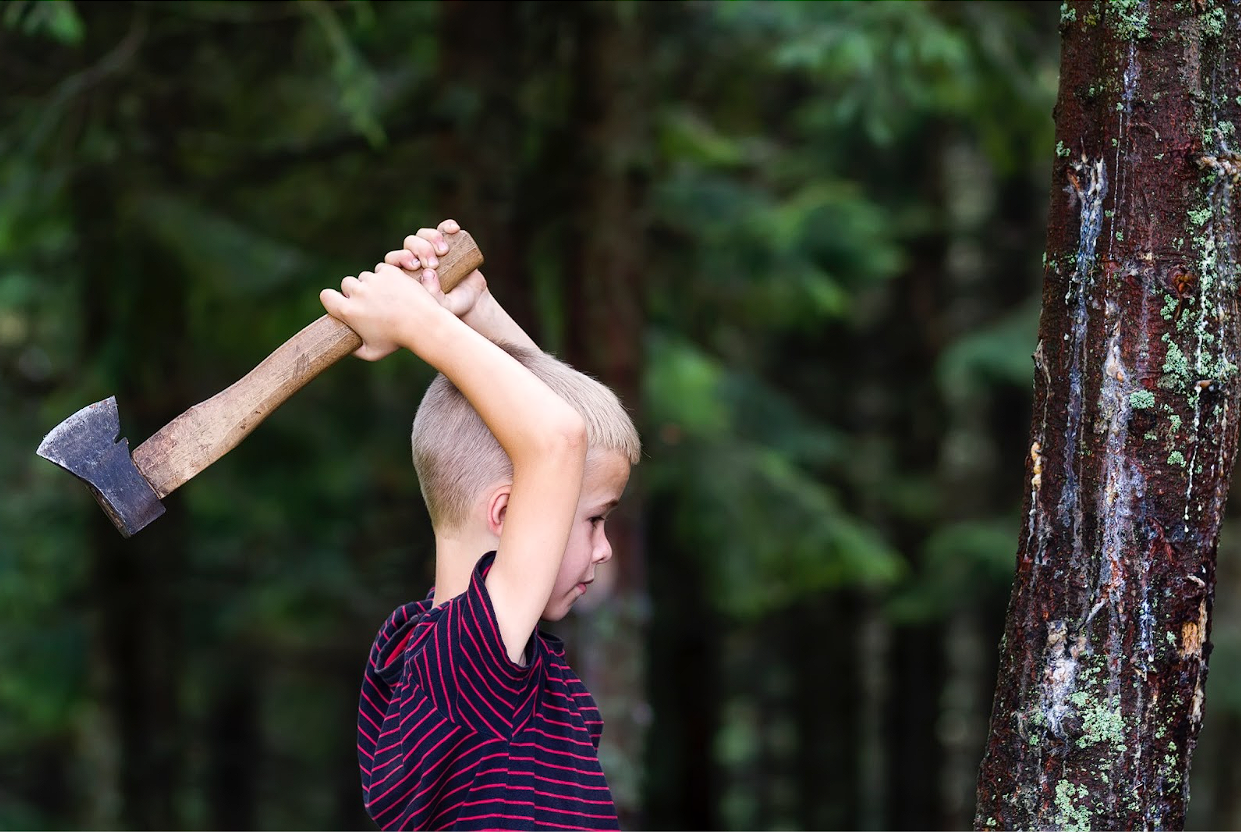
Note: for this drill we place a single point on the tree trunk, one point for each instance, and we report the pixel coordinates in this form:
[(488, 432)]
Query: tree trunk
[(1103, 665), (584, 140), (234, 741), (683, 783), (484, 181), (602, 290), (137, 653)]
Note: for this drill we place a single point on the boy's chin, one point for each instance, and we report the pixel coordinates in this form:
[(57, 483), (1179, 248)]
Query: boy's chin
[(555, 613)]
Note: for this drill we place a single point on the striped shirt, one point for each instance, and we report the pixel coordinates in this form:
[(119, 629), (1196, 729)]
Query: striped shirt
[(454, 734)]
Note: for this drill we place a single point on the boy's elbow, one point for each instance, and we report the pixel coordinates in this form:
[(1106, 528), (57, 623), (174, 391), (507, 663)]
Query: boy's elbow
[(564, 436), (570, 433), (555, 434)]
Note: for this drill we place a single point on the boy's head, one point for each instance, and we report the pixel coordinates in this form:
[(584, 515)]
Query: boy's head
[(458, 460)]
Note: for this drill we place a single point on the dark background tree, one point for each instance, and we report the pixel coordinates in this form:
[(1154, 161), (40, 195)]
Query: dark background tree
[(803, 241), (1101, 688)]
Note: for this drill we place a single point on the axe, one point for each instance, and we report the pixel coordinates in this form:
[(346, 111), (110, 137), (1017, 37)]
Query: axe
[(129, 488)]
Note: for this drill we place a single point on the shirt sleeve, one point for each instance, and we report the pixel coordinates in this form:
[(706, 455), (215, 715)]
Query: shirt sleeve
[(466, 671), (382, 680)]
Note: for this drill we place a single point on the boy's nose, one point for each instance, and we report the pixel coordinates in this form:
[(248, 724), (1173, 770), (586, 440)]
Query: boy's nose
[(603, 553)]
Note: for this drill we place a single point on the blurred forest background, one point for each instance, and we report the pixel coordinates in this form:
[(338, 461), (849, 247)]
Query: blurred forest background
[(803, 241)]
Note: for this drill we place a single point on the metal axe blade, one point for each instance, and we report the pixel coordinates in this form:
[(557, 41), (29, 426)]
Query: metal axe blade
[(86, 446)]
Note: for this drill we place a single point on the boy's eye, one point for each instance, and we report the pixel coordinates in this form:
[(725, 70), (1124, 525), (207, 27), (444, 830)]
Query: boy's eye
[(594, 521)]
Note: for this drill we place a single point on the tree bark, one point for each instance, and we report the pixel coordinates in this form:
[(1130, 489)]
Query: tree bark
[(1103, 665)]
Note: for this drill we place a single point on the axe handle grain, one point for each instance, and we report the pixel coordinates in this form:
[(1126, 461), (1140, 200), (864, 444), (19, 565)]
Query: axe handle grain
[(207, 431)]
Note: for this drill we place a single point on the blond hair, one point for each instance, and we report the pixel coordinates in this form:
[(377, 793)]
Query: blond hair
[(456, 455)]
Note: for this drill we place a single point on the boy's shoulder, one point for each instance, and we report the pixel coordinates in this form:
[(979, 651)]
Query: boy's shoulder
[(421, 642), (393, 639)]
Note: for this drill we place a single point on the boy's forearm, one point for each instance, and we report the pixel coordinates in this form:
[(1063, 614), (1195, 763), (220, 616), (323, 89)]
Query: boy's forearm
[(489, 319)]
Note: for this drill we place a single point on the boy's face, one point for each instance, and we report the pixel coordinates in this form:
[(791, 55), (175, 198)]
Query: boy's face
[(607, 473)]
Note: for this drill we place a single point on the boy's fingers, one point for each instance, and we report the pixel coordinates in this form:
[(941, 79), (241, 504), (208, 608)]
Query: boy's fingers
[(430, 280), (333, 301), (401, 259), (348, 285), (423, 250), (449, 227), (435, 237)]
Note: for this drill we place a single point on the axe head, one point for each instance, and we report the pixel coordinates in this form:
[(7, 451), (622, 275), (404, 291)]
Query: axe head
[(86, 446)]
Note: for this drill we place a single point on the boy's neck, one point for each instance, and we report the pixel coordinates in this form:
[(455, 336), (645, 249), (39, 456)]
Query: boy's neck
[(455, 559)]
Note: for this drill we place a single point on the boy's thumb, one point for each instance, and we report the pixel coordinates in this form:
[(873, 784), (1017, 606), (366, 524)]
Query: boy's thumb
[(333, 301)]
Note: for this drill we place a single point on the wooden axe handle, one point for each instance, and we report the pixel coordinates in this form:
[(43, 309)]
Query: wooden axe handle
[(204, 433)]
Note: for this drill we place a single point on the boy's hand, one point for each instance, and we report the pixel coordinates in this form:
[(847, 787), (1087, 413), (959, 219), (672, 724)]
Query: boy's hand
[(419, 258), (384, 307)]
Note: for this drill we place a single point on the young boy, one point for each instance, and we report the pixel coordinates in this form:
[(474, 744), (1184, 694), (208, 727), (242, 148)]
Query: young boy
[(470, 716)]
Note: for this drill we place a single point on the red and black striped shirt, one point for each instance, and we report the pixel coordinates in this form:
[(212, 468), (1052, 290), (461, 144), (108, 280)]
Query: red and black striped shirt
[(454, 734)]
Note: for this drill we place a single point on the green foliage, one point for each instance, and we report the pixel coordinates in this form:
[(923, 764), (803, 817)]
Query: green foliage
[(972, 553), (741, 463), (357, 85), (141, 253), (992, 355), (57, 19), (793, 236)]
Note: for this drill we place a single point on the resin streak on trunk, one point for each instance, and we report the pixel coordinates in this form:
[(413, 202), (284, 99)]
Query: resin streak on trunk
[(1101, 687)]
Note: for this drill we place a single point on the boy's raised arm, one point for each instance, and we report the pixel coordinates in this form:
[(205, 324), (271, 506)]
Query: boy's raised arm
[(543, 436), (470, 300)]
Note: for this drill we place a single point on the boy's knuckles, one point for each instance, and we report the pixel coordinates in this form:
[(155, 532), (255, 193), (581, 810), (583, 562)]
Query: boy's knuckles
[(426, 246), (435, 239)]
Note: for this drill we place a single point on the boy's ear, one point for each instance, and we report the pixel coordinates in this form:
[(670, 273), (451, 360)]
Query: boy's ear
[(497, 505)]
